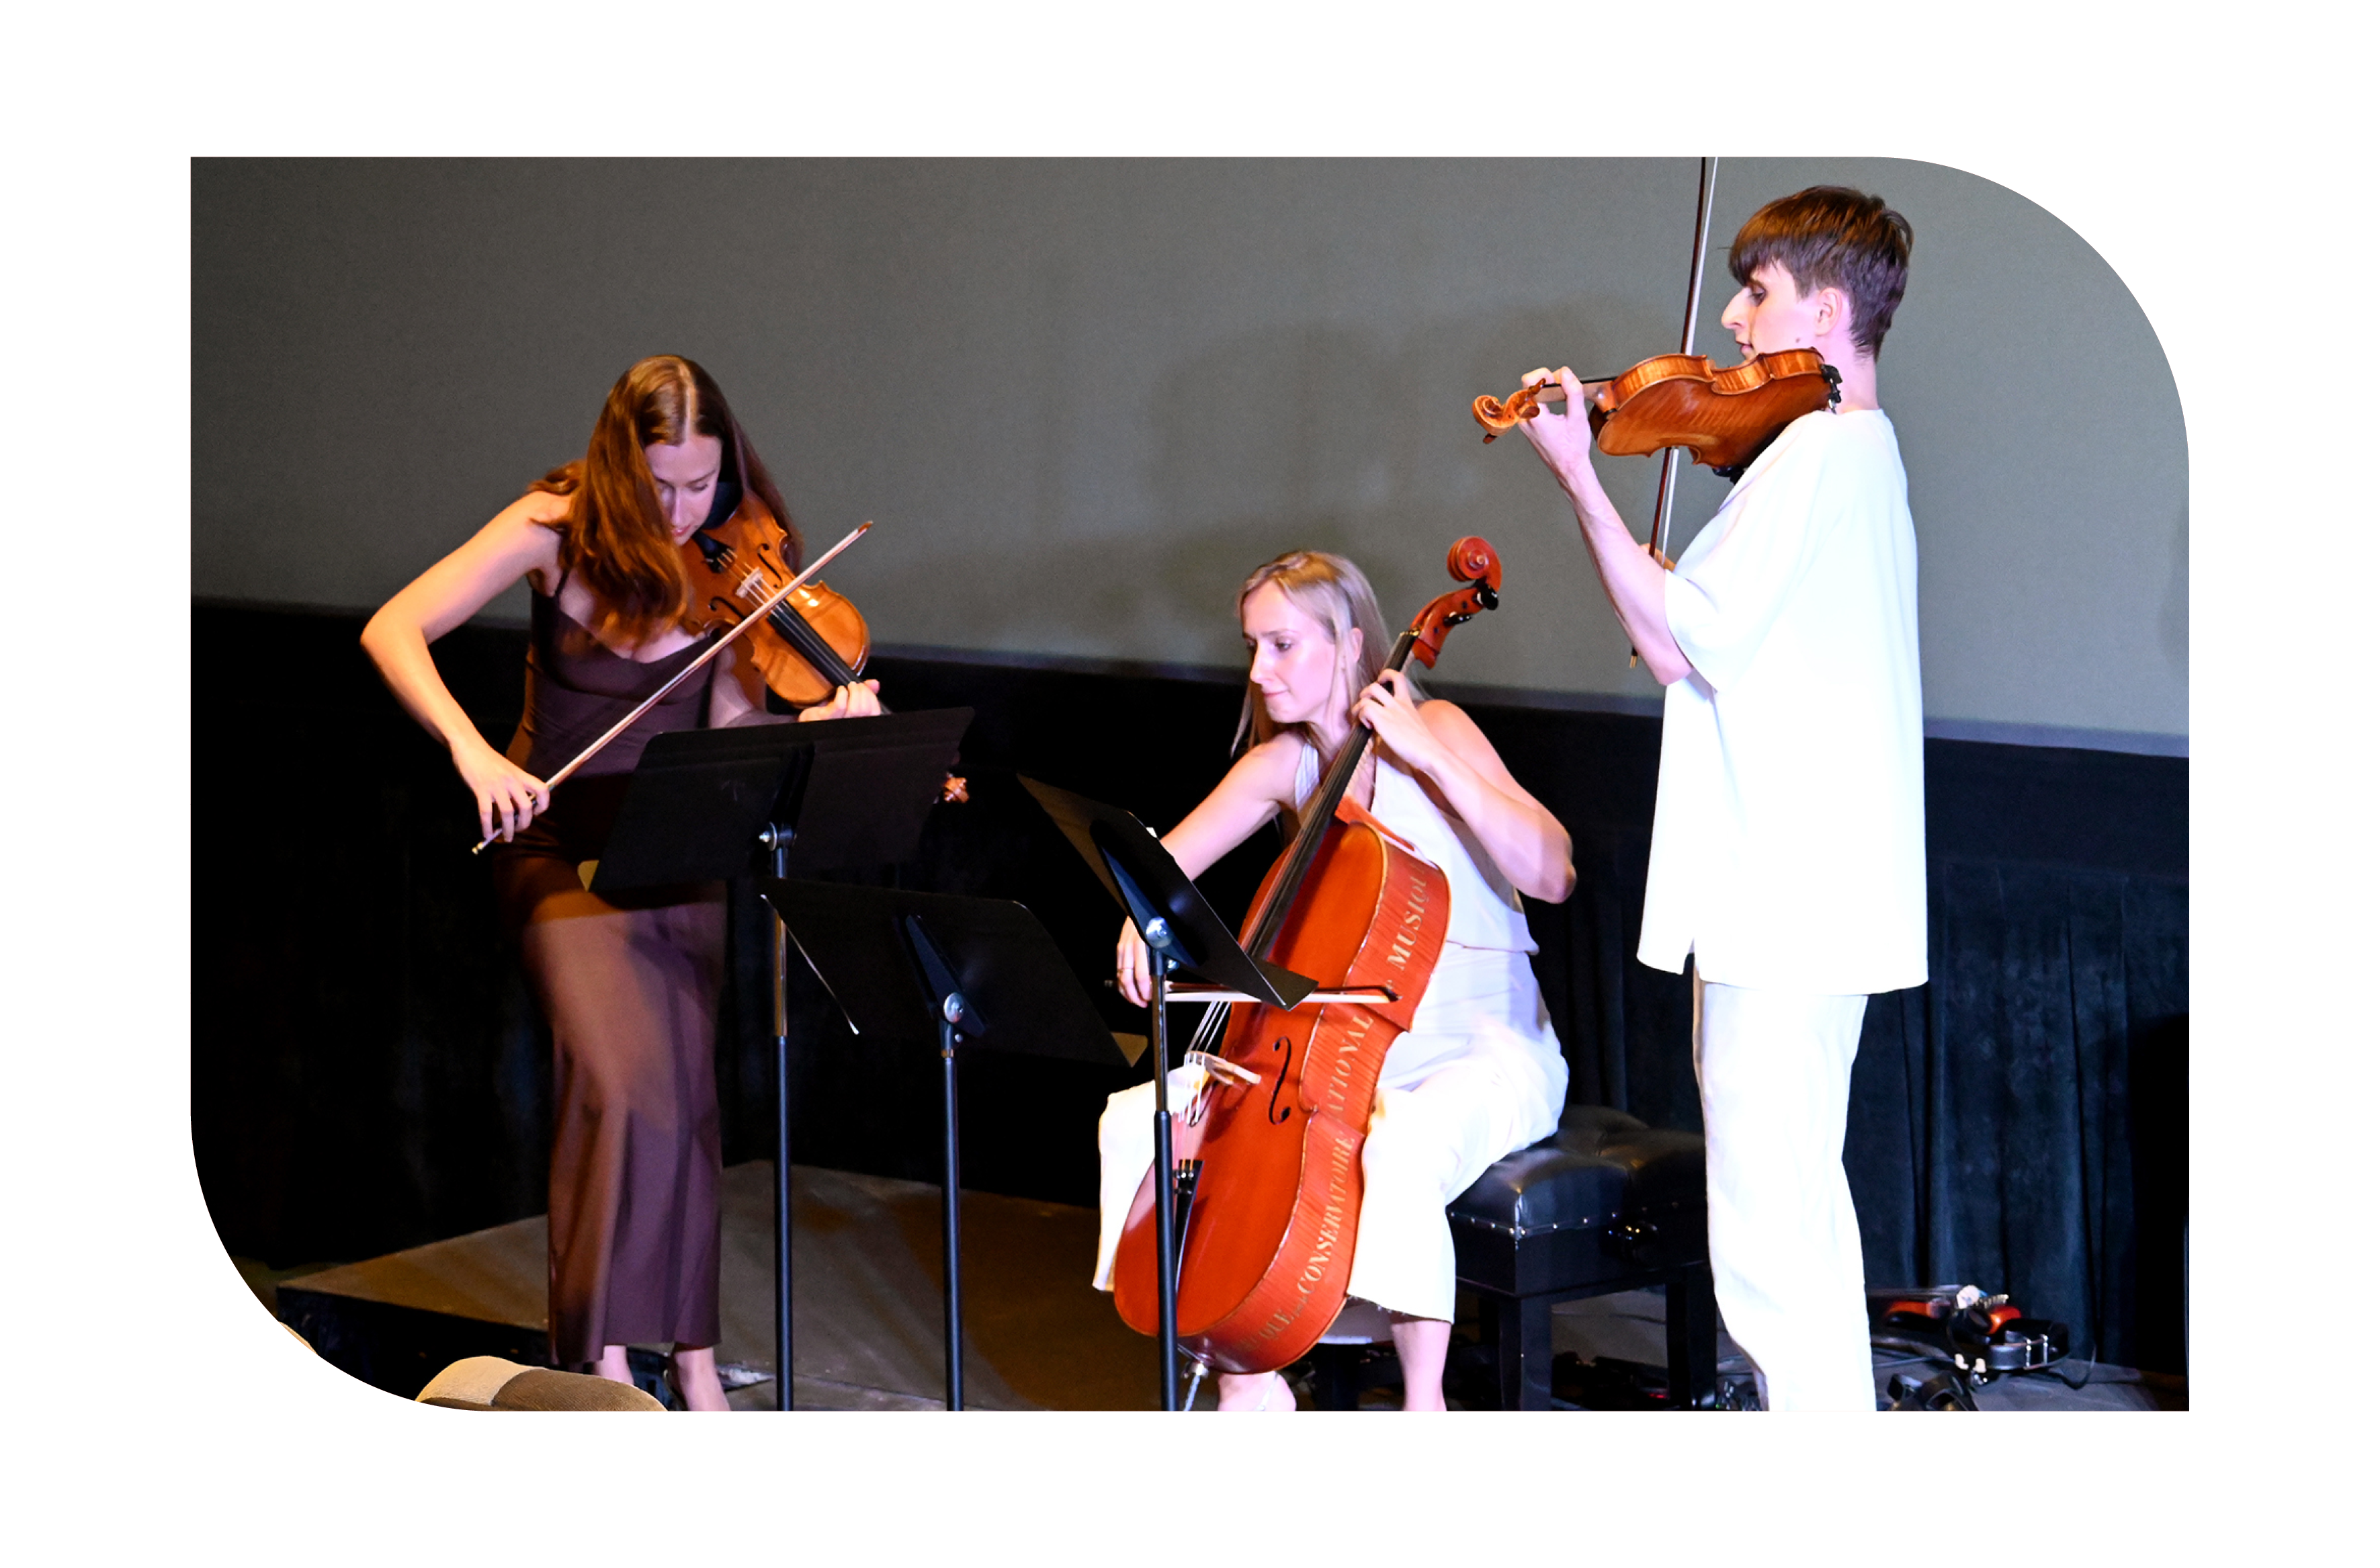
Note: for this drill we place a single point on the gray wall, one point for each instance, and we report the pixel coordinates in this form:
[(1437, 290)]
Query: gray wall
[(1082, 398)]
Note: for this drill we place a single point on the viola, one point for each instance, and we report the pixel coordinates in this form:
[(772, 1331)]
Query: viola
[(1723, 416), (813, 642), (1271, 1148)]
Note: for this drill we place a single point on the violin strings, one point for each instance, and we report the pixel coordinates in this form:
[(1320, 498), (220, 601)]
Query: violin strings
[(805, 638)]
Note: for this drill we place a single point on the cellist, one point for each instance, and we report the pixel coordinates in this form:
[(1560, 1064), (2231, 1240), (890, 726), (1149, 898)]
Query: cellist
[(1480, 1073)]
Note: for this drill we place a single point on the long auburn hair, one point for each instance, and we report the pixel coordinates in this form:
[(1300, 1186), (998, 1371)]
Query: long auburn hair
[(614, 536), (1333, 591)]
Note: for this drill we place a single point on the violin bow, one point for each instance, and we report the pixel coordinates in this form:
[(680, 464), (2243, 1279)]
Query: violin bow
[(1659, 543), (707, 656), (1667, 497)]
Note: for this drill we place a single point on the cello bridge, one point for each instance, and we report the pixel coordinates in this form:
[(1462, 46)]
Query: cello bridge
[(1215, 1066)]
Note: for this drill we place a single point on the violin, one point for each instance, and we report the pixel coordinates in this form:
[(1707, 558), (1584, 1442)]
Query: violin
[(1270, 1149), (1723, 416), (813, 642)]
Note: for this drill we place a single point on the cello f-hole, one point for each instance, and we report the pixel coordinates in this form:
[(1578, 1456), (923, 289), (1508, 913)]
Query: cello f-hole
[(1273, 1111)]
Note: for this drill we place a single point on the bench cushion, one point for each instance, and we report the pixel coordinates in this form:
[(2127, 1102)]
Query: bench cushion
[(1604, 1199)]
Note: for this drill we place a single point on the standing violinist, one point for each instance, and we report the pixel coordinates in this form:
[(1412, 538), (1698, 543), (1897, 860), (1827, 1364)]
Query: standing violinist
[(1789, 832), (628, 984), (1480, 1073)]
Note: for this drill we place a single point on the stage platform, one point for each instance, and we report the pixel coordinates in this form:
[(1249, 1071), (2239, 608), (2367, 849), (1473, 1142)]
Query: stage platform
[(867, 1325), (867, 1303)]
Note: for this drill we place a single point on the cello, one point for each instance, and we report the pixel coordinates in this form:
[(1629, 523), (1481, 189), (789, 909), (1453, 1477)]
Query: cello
[(1270, 1149)]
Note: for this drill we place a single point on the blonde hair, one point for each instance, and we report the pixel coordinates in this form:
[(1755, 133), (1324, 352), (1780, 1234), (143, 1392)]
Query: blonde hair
[(1333, 591)]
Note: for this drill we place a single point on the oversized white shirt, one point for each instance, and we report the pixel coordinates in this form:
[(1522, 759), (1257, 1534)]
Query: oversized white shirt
[(1789, 832)]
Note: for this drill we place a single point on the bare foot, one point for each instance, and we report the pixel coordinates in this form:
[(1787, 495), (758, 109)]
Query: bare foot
[(696, 1374), (1254, 1390)]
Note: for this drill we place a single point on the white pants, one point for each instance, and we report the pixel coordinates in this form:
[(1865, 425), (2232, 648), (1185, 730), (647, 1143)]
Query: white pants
[(1478, 1076), (1775, 1068)]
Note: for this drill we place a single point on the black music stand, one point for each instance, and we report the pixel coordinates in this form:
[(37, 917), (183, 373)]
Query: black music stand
[(831, 796), (1184, 932), (932, 969)]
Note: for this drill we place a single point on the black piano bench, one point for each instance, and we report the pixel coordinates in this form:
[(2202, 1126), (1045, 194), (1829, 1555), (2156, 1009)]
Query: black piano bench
[(1606, 1204)]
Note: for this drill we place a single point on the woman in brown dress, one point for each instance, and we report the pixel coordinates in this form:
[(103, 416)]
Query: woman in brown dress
[(629, 985)]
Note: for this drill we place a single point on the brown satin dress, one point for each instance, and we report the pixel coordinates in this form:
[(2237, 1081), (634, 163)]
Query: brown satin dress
[(629, 984)]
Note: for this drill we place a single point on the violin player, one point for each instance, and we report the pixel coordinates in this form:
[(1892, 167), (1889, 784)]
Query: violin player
[(1480, 1073), (1789, 846), (628, 983)]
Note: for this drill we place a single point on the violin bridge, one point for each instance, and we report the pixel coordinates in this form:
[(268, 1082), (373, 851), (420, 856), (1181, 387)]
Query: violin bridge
[(1217, 1067)]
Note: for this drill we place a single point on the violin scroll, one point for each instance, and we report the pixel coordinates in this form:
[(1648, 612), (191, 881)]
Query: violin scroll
[(1496, 416)]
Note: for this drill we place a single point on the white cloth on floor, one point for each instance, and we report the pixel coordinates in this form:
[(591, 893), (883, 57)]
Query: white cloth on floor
[(1774, 1070)]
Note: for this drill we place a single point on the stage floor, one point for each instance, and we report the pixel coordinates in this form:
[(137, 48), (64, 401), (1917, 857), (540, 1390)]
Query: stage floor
[(867, 1316)]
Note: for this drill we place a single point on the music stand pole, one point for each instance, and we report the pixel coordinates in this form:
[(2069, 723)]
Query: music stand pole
[(1169, 1260), (779, 839), (1164, 956), (953, 1016), (953, 1350)]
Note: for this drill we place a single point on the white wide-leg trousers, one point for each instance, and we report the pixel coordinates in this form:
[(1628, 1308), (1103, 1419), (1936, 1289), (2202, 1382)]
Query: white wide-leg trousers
[(1775, 1068)]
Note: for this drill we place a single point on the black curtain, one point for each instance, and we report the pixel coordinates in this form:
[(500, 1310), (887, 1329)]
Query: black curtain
[(367, 1072)]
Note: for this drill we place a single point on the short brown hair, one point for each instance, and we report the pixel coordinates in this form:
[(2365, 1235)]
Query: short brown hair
[(1832, 236)]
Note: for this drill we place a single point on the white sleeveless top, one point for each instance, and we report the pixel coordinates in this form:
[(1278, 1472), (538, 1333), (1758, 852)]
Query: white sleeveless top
[(1486, 912)]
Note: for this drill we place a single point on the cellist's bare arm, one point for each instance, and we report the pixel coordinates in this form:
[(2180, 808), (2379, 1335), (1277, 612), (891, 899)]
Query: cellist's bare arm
[(1259, 786), (1439, 741)]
